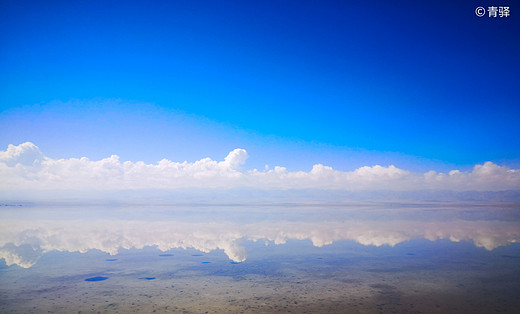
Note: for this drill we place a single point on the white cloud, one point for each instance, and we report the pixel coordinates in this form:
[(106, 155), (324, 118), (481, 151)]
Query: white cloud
[(26, 154), (24, 167), (22, 242)]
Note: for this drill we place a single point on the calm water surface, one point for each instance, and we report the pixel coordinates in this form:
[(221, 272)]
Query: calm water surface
[(364, 258)]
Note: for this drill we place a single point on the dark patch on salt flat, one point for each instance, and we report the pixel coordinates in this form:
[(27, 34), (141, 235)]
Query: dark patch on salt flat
[(197, 255), (206, 262), (111, 260), (383, 287), (147, 278), (234, 263), (97, 278)]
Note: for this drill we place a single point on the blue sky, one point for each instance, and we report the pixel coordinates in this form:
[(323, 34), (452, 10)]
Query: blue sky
[(412, 83)]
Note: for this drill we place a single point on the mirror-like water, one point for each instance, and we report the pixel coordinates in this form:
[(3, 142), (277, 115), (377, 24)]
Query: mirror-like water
[(357, 259)]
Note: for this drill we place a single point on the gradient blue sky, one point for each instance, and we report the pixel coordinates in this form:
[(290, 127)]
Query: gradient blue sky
[(418, 84)]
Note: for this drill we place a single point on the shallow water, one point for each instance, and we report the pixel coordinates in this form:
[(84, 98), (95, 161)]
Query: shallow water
[(390, 258)]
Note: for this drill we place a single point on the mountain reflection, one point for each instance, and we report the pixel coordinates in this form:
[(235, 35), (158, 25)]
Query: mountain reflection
[(24, 241)]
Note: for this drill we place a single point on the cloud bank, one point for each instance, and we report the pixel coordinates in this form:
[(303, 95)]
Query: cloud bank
[(25, 167), (23, 242)]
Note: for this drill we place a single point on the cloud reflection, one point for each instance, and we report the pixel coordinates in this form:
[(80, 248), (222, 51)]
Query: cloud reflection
[(23, 242)]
